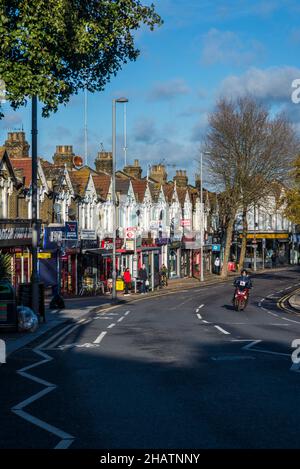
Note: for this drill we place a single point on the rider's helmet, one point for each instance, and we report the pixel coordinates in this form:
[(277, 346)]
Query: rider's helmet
[(244, 272)]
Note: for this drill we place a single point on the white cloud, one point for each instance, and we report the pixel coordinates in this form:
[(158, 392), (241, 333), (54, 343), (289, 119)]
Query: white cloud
[(226, 47), (271, 85)]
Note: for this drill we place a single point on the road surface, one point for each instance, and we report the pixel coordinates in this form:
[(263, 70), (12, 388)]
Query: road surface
[(179, 371)]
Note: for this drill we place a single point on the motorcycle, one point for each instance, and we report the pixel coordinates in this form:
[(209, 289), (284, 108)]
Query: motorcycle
[(241, 298)]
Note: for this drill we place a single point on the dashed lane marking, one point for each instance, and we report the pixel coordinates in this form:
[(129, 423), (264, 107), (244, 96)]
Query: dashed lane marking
[(127, 312), (111, 325), (100, 337), (121, 319), (222, 330), (199, 316)]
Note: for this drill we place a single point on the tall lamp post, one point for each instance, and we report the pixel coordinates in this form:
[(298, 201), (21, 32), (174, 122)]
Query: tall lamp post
[(114, 272), (34, 203), (202, 217)]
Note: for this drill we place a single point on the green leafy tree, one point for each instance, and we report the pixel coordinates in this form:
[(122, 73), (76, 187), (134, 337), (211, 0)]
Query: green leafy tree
[(54, 48), (5, 267)]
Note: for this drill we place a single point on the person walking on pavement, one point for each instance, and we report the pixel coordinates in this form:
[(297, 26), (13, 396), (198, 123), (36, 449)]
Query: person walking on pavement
[(127, 281), (143, 276), (217, 265), (163, 276)]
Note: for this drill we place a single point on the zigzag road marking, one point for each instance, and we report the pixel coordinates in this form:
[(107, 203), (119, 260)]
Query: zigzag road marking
[(65, 438)]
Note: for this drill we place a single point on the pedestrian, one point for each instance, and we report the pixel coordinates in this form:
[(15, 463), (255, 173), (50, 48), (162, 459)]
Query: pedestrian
[(163, 276), (109, 285), (127, 281), (143, 276), (217, 264)]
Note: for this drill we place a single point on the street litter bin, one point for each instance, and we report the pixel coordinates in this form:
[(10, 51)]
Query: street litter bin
[(8, 307), (25, 297), (119, 284)]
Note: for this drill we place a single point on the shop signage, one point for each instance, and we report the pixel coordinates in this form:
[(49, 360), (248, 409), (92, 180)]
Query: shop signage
[(15, 233), (71, 230), (25, 255), (129, 245), (89, 243), (162, 241), (185, 222), (216, 247), (88, 234), (192, 245), (53, 236), (44, 255), (108, 243)]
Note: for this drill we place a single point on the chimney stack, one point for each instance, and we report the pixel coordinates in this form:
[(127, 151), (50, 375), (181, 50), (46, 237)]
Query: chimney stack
[(181, 178)]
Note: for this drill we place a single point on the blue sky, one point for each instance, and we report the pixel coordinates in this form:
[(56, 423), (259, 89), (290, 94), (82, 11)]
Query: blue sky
[(204, 50)]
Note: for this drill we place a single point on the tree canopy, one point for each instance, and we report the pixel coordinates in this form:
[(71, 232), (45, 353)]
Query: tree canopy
[(249, 150), (55, 48), (293, 195)]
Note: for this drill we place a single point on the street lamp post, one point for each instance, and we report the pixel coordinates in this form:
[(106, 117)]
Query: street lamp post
[(114, 273), (202, 217), (34, 203)]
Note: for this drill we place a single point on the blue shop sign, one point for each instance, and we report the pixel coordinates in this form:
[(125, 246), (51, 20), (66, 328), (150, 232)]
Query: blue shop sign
[(216, 247), (53, 237), (162, 241), (71, 230)]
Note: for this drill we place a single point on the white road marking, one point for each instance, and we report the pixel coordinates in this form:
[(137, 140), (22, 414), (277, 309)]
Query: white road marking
[(62, 336), (127, 312), (199, 316), (201, 306), (34, 397), (121, 319), (233, 357), (111, 325), (46, 342), (100, 337), (270, 352), (222, 330), (64, 444), (66, 438), (197, 310), (295, 367), (206, 322)]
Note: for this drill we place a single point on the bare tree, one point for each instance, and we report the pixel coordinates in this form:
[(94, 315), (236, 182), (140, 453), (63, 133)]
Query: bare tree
[(248, 150)]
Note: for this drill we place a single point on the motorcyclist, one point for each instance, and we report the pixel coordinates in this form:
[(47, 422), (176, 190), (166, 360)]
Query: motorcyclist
[(243, 281)]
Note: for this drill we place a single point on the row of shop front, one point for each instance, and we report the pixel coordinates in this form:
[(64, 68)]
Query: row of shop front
[(69, 260), (72, 261)]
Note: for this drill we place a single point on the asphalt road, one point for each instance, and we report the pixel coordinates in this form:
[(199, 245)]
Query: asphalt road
[(180, 371)]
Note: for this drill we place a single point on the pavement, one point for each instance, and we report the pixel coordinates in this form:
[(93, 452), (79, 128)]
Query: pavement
[(179, 370), (294, 301)]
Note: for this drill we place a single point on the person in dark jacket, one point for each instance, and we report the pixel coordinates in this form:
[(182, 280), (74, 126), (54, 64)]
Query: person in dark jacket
[(143, 276), (243, 281)]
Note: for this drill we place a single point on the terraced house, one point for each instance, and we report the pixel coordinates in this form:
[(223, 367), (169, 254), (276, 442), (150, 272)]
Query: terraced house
[(159, 221)]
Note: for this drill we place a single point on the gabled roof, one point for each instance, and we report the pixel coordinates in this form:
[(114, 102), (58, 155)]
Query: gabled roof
[(23, 165), (122, 185), (181, 192), (102, 184), (79, 180), (139, 188), (168, 191), (5, 158)]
